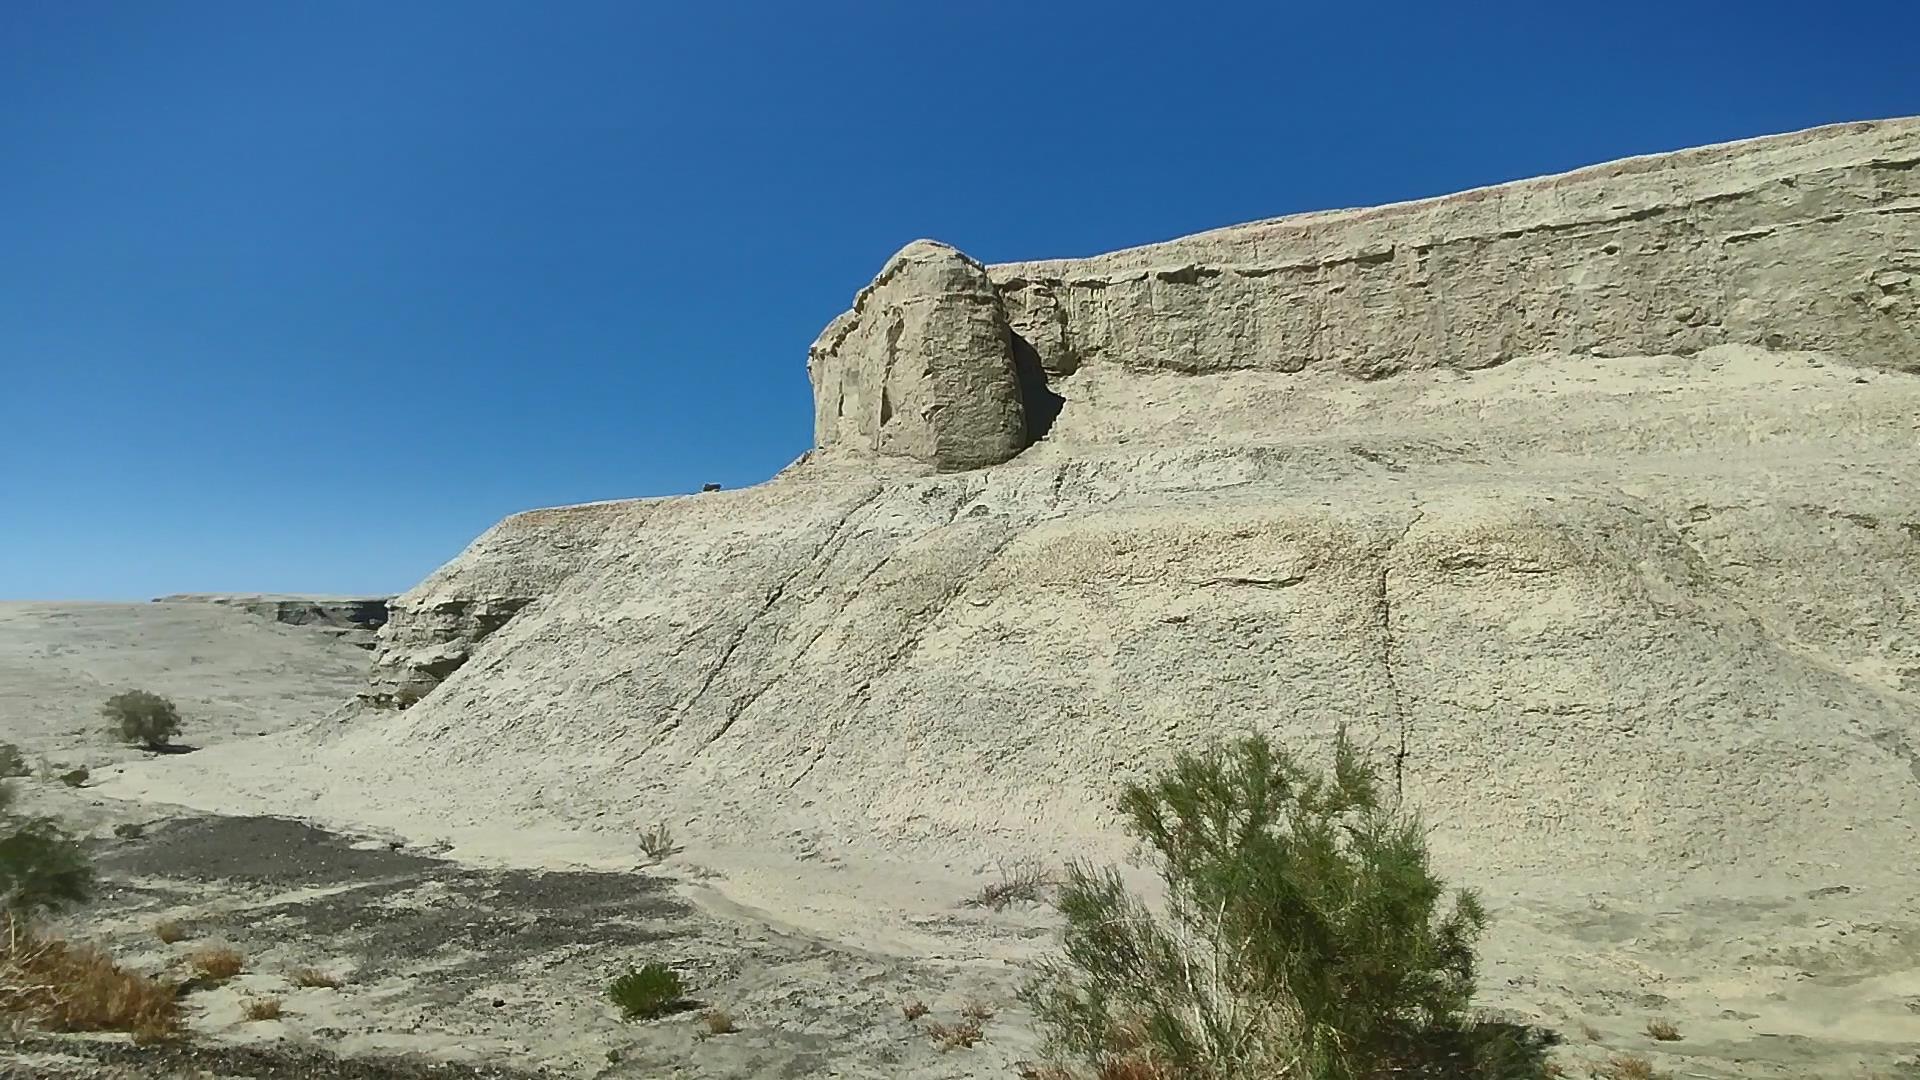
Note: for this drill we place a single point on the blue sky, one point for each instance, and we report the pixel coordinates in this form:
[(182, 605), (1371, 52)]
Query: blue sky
[(302, 297)]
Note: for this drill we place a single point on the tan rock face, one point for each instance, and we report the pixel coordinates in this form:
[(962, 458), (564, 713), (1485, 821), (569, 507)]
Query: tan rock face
[(922, 367), (1654, 612)]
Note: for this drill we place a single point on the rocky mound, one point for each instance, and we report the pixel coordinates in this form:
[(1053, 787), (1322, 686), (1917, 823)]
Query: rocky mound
[(1589, 503)]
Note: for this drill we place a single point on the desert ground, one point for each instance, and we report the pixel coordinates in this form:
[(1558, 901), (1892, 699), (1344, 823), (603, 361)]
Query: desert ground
[(494, 964)]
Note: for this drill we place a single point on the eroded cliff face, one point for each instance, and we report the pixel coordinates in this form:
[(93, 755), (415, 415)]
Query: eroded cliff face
[(1586, 503), (1805, 241)]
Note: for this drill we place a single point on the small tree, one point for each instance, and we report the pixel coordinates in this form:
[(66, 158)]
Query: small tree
[(142, 718), (1304, 936)]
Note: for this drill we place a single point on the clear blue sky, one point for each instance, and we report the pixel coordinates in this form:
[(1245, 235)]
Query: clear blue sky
[(303, 296)]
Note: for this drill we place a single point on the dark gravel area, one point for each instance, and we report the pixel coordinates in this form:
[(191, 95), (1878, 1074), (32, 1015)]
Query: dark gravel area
[(94, 1060)]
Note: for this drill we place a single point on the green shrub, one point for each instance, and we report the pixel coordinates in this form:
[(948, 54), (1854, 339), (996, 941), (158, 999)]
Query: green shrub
[(143, 719), (1304, 936), (42, 868), (13, 762), (647, 991)]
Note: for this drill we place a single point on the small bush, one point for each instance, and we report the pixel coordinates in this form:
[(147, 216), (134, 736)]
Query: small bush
[(217, 962), (1304, 936), (264, 1009), (958, 1036), (657, 843), (13, 762), (646, 992), (719, 1022), (79, 988), (1662, 1031), (1021, 882), (42, 869), (977, 1010), (914, 1010), (142, 719), (1628, 1067), (314, 978), (170, 932)]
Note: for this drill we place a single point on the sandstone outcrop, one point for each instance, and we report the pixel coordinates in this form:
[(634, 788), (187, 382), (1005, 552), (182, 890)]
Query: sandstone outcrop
[(922, 367), (1588, 504)]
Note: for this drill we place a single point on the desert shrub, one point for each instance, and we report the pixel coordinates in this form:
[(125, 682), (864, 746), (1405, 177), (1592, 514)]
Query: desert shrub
[(69, 987), (1662, 1030), (958, 1036), (1304, 936), (647, 991), (719, 1022), (13, 762), (657, 843), (264, 1009), (142, 718), (42, 869), (217, 962), (914, 1010), (314, 978), (977, 1010), (1020, 882), (170, 931), (1628, 1067)]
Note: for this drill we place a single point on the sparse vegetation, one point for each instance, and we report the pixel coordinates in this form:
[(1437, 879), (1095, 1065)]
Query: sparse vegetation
[(657, 843), (646, 992), (977, 1010), (217, 962), (314, 978), (170, 931), (1628, 1067), (1662, 1031), (142, 718), (13, 762), (1025, 881), (719, 1022), (263, 1009), (67, 987), (1304, 936), (914, 1010), (958, 1036)]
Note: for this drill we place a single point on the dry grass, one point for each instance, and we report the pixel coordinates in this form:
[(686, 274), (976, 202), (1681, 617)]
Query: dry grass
[(1131, 1068), (955, 1036), (263, 1009), (1662, 1031), (1021, 882), (719, 1022), (1627, 1067), (914, 1010), (217, 962), (66, 987), (977, 1010), (310, 978), (169, 931)]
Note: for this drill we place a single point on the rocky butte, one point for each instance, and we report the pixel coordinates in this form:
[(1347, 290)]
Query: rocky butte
[(1588, 503)]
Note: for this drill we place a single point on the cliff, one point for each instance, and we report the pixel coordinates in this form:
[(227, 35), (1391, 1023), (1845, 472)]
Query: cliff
[(1587, 504)]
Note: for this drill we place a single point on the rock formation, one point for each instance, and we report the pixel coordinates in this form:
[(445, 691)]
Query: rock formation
[(1590, 504), (353, 619)]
